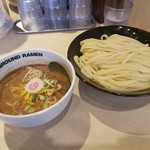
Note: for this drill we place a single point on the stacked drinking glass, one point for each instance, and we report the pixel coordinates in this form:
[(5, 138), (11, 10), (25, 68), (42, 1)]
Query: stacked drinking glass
[(79, 13), (31, 14), (55, 12), (6, 22)]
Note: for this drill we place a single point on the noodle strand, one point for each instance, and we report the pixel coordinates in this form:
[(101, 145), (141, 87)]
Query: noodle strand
[(118, 63)]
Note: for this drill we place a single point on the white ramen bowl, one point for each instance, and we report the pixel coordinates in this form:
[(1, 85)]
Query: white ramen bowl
[(37, 56)]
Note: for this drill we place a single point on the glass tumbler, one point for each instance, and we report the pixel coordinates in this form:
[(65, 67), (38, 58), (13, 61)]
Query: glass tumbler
[(55, 12), (117, 12), (80, 13), (32, 15), (6, 22)]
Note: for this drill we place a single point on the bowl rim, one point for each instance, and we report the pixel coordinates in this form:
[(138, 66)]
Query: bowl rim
[(56, 104)]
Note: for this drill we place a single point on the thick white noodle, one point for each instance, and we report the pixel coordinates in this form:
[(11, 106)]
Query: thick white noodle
[(118, 63)]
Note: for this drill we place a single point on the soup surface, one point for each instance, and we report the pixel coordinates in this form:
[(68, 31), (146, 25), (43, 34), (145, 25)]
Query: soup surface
[(32, 88)]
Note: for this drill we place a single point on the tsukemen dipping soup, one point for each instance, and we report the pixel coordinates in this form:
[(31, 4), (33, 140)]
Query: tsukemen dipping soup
[(33, 88)]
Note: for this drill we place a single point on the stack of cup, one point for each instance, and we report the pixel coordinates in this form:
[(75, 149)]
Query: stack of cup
[(79, 13), (6, 22), (55, 12), (31, 14)]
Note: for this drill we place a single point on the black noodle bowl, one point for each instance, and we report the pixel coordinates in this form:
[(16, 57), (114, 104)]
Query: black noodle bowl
[(74, 49)]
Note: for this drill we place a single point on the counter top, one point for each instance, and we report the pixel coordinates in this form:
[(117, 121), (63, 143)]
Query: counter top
[(93, 120)]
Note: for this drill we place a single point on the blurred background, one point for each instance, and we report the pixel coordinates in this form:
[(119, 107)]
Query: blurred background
[(139, 15)]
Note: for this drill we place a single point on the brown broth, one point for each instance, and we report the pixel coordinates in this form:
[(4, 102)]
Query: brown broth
[(12, 103)]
